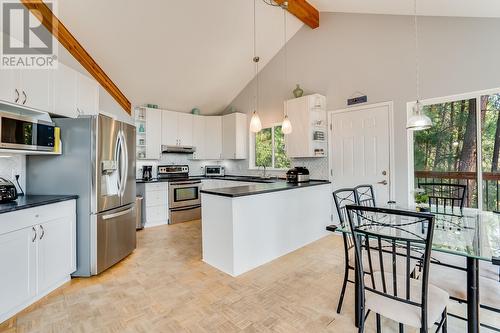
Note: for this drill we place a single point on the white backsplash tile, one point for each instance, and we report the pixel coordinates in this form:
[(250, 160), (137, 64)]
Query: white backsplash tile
[(318, 167), (196, 168), (11, 165)]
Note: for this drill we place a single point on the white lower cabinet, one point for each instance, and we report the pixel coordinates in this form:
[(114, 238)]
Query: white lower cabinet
[(37, 253), (18, 278), (54, 252), (156, 203)]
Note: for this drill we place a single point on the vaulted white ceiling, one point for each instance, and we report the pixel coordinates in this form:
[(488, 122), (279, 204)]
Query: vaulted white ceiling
[(183, 54), (176, 53), (464, 8)]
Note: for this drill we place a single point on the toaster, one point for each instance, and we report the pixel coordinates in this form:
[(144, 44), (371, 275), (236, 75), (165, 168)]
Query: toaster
[(297, 175), (8, 191)]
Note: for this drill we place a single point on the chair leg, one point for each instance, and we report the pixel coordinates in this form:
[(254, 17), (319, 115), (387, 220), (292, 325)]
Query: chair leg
[(361, 327), (379, 327), (342, 293), (444, 328)]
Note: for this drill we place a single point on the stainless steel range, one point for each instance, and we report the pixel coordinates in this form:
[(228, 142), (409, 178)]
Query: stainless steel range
[(184, 200)]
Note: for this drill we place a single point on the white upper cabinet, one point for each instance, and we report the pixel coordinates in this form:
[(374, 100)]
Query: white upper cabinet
[(185, 129), (308, 117), (9, 92), (169, 128), (64, 82), (199, 137), (213, 138), (62, 91), (35, 88), (87, 101), (153, 133), (177, 128), (234, 136)]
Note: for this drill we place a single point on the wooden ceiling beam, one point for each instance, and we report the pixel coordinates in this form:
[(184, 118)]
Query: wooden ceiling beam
[(303, 10), (41, 11)]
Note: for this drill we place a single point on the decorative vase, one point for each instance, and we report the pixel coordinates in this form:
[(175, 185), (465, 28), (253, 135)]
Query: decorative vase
[(298, 92)]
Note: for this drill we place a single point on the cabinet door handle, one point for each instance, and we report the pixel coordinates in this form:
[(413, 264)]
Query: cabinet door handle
[(34, 236), (17, 95), (25, 97), (43, 232)]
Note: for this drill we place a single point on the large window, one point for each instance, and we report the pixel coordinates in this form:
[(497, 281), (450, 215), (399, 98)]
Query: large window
[(449, 151), (270, 148)]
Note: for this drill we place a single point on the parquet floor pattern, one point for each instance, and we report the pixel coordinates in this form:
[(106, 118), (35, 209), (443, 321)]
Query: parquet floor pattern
[(165, 287)]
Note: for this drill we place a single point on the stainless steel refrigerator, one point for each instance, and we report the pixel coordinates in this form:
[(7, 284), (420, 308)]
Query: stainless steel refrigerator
[(97, 164)]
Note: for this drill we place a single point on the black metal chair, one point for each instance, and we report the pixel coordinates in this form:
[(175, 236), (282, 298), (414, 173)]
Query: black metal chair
[(396, 294), (443, 196), (362, 194), (342, 198), (365, 195)]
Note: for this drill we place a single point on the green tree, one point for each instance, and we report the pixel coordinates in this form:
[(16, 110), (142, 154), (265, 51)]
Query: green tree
[(264, 148)]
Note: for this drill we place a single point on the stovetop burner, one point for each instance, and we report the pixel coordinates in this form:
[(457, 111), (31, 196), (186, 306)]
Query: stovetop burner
[(173, 171)]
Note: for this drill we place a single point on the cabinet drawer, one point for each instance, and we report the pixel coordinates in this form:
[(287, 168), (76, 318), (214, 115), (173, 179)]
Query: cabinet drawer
[(156, 198), (156, 213), (28, 217), (156, 187)]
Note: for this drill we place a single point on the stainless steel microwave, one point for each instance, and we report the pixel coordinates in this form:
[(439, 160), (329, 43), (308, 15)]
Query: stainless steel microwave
[(214, 171), (26, 133)]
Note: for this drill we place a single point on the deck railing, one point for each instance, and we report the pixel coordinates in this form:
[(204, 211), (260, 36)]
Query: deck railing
[(491, 185)]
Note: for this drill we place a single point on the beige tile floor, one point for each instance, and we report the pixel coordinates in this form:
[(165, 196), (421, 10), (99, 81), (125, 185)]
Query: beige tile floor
[(165, 287)]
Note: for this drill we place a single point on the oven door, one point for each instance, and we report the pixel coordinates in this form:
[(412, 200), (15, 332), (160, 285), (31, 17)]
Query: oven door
[(184, 194)]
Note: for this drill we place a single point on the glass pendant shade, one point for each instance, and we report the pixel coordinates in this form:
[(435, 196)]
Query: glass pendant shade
[(418, 120), (255, 124), (286, 126)]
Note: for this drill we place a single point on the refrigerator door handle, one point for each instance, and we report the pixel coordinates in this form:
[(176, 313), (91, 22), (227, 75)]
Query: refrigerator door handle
[(118, 161), (125, 162), (111, 216)]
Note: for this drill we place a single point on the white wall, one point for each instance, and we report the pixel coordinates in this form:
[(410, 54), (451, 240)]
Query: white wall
[(374, 54)]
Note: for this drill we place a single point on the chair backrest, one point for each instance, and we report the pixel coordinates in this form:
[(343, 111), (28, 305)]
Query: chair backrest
[(365, 195), (343, 197), (445, 196), (396, 234)]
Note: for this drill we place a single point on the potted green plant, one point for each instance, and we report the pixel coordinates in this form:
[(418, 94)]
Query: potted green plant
[(421, 200)]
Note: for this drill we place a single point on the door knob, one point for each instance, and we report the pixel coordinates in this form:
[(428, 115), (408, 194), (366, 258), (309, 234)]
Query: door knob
[(383, 182), (384, 173)]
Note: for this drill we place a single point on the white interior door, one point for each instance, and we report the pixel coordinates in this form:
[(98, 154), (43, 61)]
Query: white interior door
[(360, 149)]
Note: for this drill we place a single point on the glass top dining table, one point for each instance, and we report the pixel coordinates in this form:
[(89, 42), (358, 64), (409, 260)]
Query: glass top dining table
[(471, 233)]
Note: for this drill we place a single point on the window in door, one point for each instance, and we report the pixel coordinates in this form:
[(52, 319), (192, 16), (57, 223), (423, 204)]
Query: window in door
[(446, 153), (270, 149), (490, 143)]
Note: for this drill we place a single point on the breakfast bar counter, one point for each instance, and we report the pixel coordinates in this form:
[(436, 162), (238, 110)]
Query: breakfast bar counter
[(244, 227), (30, 201)]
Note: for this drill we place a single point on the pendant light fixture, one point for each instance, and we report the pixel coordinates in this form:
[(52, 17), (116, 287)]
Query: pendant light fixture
[(286, 126), (418, 120), (255, 123)]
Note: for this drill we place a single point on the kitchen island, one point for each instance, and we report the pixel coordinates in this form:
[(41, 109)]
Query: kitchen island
[(244, 227)]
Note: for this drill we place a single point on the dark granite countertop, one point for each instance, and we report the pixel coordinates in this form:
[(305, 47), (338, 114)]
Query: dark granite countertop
[(240, 191), (252, 179), (30, 201)]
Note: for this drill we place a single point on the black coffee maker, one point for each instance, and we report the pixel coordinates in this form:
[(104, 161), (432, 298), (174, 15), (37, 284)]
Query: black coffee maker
[(147, 172)]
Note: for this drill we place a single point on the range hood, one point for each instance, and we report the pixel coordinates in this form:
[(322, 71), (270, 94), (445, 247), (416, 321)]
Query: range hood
[(177, 149)]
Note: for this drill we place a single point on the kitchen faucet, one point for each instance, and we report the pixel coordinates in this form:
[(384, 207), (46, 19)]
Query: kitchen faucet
[(264, 172)]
